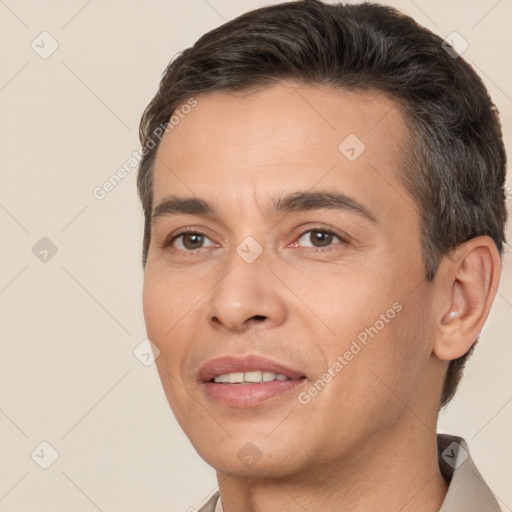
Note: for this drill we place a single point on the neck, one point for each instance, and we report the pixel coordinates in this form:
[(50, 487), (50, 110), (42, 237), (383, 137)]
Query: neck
[(385, 474)]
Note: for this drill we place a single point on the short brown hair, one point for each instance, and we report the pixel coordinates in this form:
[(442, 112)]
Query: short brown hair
[(455, 157)]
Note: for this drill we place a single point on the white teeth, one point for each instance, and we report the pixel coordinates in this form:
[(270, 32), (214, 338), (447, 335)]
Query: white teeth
[(235, 378), (250, 377), (268, 376), (253, 376)]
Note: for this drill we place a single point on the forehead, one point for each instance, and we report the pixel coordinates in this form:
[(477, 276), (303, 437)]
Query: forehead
[(285, 137)]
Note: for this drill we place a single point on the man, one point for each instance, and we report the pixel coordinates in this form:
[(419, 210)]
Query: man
[(324, 219)]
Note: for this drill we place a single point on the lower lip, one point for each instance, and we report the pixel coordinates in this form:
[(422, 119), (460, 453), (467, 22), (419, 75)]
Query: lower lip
[(249, 395)]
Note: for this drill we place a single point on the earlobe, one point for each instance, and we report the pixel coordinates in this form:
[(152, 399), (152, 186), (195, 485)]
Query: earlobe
[(468, 285)]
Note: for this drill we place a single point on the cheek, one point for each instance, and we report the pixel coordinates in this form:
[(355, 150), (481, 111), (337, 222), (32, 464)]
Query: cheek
[(167, 312), (167, 301), (346, 301), (374, 324), (154, 302), (168, 317), (398, 356)]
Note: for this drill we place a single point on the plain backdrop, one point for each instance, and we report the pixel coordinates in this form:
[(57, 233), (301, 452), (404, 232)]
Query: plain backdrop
[(71, 274)]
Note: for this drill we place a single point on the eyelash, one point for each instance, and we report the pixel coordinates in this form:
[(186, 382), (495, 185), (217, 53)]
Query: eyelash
[(191, 231)]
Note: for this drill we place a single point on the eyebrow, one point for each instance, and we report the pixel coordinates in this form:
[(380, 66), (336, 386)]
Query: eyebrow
[(293, 202), (306, 201)]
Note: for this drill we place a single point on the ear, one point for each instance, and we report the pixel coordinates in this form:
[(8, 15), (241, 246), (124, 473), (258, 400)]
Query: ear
[(466, 284)]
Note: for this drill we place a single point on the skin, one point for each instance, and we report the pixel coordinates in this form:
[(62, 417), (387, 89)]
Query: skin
[(368, 439)]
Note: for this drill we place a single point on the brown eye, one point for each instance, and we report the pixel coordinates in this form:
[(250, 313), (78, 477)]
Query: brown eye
[(190, 241), (318, 238)]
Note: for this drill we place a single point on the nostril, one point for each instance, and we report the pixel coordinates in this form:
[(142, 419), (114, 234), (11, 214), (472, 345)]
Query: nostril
[(259, 317)]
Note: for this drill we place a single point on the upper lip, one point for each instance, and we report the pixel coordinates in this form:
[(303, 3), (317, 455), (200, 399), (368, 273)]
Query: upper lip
[(232, 364)]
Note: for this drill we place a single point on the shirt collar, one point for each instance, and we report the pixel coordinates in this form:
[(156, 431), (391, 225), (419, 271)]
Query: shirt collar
[(467, 490)]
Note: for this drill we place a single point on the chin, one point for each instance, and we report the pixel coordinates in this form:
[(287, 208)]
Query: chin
[(249, 459)]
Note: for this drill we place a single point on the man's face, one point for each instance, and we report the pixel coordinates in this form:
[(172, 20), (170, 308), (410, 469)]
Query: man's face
[(328, 291)]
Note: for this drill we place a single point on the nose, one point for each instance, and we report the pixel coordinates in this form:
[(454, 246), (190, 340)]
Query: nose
[(246, 294)]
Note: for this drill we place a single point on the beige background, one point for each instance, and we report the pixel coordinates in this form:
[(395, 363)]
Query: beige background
[(68, 328)]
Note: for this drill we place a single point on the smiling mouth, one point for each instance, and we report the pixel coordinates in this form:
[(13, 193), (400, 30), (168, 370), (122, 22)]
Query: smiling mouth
[(250, 377), (248, 381), (251, 389)]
